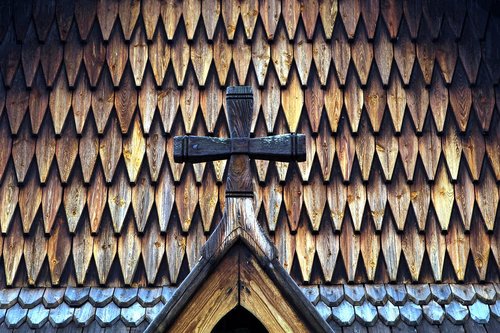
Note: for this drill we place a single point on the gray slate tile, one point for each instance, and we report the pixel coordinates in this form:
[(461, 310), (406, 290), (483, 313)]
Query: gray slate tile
[(149, 296), (61, 316), (366, 313), (311, 293), (493, 326), (30, 297), (379, 327), (84, 314), (456, 312), (479, 312), (356, 327), (52, 297), (166, 293), (124, 297), (15, 316), (464, 293), (433, 312), (99, 297), (331, 295), (343, 314), (133, 315), (403, 327), (37, 316), (76, 296), (376, 293), (449, 327), (2, 315), (396, 293), (426, 327), (107, 315), (419, 293), (8, 297), (324, 311), (389, 314), (442, 293), (411, 313), (355, 293), (486, 292), (471, 326), (153, 311), (495, 309)]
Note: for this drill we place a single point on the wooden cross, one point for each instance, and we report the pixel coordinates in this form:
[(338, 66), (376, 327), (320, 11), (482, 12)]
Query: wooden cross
[(239, 148)]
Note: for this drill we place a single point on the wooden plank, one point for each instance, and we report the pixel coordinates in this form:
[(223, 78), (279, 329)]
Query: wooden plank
[(105, 245), (350, 247), (116, 56), (260, 299), (30, 198), (270, 11), (66, 151), (9, 193), (94, 56), (82, 246), (457, 244), (75, 196), (341, 51), (13, 244), (370, 248), (377, 198), (420, 198), (386, 147), (38, 102), (128, 11), (443, 196), (58, 250), (143, 194), (134, 148), (96, 199), (102, 101), (217, 295), (408, 148), (52, 195), (35, 250), (129, 251), (119, 198), (138, 54), (152, 250), (391, 247), (23, 149), (413, 245)]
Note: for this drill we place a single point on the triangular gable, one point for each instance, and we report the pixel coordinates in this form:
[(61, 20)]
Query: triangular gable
[(238, 266)]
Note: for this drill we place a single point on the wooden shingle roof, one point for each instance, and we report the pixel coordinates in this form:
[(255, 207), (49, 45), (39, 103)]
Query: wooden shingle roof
[(399, 101)]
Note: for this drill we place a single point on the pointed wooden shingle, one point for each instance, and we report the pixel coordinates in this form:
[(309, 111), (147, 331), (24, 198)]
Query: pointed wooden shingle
[(345, 148), (392, 10), (487, 198), (85, 12), (30, 198), (325, 149), (58, 250), (370, 248), (170, 11), (191, 11), (282, 55), (94, 56), (96, 199), (350, 247), (417, 100), (82, 98), (13, 244), (383, 51), (152, 250), (457, 244), (35, 250), (413, 245), (446, 52), (66, 151), (438, 98), (429, 147), (134, 148), (51, 56), (292, 101), (23, 149), (377, 198), (180, 56), (119, 199), (16, 102), (460, 98), (249, 13), (306, 166), (469, 50), (208, 197), (398, 196), (143, 194), (336, 194), (107, 12), (483, 99), (387, 146), (164, 198), (271, 99), (408, 148), (404, 53), (442, 195), (426, 54), (356, 199), (38, 102), (116, 56), (242, 55), (129, 251), (82, 246), (315, 200), (223, 54), (391, 247), (341, 52), (75, 196), (396, 100), (51, 200), (365, 148), (64, 17), (452, 148), (110, 149), (175, 247), (189, 101), (159, 55), (492, 142), (138, 54), (60, 102), (30, 55), (150, 15), (353, 100), (9, 192), (105, 246), (473, 147), (420, 198), (128, 12), (126, 101), (10, 53), (350, 12), (464, 197), (327, 248), (102, 101), (270, 12), (480, 248), (210, 11), (305, 247), (186, 199), (88, 151), (45, 149), (230, 14), (362, 54)]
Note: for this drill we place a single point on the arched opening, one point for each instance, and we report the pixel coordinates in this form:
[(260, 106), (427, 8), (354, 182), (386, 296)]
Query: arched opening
[(239, 320)]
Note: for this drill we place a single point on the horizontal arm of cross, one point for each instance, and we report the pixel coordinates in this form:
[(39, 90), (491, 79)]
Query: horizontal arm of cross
[(284, 148)]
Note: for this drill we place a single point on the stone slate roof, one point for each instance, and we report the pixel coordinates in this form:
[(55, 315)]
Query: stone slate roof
[(370, 307)]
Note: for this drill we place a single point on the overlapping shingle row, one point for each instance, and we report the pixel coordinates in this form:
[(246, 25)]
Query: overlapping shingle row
[(399, 102)]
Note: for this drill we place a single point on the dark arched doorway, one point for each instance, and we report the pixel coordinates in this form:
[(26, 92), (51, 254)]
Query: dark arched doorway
[(239, 320)]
